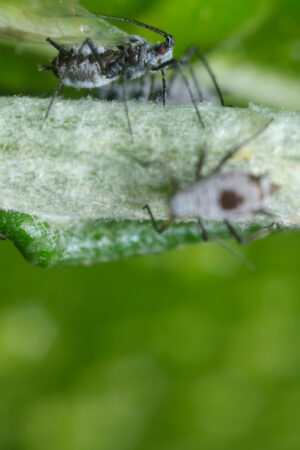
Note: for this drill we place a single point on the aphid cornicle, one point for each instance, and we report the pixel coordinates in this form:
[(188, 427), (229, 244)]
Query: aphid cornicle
[(229, 196)]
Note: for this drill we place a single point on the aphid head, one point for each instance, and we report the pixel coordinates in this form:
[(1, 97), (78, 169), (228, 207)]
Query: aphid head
[(158, 54)]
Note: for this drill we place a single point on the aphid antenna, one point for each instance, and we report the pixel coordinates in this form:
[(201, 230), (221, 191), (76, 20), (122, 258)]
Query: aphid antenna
[(235, 149), (169, 37)]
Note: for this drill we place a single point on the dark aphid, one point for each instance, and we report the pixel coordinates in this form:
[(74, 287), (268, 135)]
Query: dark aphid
[(91, 52), (93, 65), (230, 196), (90, 65)]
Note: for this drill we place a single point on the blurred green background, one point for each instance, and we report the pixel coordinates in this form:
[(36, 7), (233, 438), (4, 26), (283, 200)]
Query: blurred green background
[(187, 350)]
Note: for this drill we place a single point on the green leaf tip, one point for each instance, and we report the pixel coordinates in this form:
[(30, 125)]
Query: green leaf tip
[(72, 192)]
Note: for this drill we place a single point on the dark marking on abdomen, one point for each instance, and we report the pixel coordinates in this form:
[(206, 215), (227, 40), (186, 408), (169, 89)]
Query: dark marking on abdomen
[(230, 200)]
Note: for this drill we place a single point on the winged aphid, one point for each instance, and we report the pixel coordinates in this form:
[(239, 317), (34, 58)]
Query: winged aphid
[(92, 52), (91, 65)]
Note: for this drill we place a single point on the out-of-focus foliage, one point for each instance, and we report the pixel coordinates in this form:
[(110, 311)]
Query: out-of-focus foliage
[(183, 350), (180, 351)]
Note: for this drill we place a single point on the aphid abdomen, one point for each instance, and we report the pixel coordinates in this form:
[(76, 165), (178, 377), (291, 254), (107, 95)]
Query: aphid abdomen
[(229, 196), (188, 202), (85, 70)]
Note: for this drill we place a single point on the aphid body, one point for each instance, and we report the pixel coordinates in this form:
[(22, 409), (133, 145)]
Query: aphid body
[(223, 196), (91, 51), (93, 65), (229, 196)]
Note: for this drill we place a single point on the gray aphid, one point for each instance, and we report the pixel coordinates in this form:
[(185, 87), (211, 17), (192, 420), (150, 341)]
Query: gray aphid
[(230, 196), (223, 196)]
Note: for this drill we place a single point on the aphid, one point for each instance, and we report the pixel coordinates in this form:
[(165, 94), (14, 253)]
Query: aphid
[(91, 52), (91, 64), (230, 196)]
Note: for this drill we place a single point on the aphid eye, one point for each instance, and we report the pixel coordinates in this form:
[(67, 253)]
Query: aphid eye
[(160, 49)]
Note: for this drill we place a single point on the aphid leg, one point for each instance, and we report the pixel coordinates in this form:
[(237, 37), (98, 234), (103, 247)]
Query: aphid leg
[(235, 149), (164, 86), (173, 77), (186, 82), (255, 236), (175, 62), (54, 95), (151, 90), (142, 87), (200, 163), (93, 49), (164, 226), (196, 84), (203, 229), (266, 213), (196, 51), (126, 104)]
